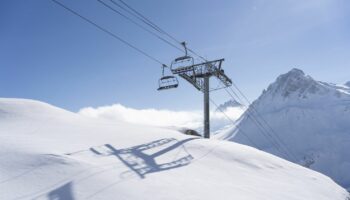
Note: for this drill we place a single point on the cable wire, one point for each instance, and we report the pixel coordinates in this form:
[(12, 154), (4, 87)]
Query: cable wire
[(148, 22), (138, 15), (235, 124), (264, 131), (107, 31), (139, 25), (250, 110)]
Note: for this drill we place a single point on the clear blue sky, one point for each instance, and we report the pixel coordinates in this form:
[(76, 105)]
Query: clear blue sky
[(51, 55)]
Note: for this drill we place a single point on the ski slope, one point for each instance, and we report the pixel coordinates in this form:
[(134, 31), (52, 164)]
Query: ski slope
[(50, 153), (311, 118)]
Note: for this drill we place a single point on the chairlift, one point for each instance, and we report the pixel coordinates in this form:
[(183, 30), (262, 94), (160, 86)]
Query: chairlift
[(182, 63), (167, 82)]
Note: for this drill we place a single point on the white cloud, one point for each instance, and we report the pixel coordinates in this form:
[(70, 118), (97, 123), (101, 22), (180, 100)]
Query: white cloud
[(165, 118)]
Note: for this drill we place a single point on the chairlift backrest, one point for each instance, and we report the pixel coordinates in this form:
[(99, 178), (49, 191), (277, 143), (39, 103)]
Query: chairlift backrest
[(167, 77), (182, 58), (167, 82), (180, 64)]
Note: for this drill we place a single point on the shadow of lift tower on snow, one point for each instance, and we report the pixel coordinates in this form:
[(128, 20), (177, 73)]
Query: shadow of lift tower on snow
[(142, 163), (63, 192)]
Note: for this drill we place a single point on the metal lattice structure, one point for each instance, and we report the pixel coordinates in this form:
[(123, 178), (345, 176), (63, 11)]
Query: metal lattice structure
[(199, 75), (196, 73)]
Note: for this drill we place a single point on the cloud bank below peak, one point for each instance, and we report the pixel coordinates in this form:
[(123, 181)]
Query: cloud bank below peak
[(162, 118)]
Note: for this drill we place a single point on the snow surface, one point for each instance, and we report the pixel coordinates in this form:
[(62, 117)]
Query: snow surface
[(311, 118), (50, 153)]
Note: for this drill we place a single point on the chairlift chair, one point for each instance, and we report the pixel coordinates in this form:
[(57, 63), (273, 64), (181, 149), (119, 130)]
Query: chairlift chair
[(183, 63), (167, 82)]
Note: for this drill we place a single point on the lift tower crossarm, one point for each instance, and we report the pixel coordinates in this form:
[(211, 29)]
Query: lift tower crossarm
[(196, 73)]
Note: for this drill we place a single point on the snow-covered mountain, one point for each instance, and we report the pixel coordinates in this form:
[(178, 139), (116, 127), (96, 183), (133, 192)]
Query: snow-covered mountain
[(50, 153), (309, 118), (228, 104), (347, 84)]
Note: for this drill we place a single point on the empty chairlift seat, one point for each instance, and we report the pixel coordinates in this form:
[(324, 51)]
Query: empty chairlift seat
[(167, 82)]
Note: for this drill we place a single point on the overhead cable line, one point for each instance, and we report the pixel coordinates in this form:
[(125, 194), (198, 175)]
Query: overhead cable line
[(107, 31), (138, 15), (148, 22), (235, 124), (265, 132), (268, 136), (252, 118), (259, 116), (139, 25)]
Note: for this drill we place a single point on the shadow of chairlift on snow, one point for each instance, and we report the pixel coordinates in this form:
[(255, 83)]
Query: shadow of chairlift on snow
[(142, 163)]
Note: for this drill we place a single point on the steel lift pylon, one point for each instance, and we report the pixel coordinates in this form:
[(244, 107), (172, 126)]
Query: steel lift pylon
[(199, 76)]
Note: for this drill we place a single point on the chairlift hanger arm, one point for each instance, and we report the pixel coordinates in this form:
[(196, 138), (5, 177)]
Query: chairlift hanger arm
[(184, 45)]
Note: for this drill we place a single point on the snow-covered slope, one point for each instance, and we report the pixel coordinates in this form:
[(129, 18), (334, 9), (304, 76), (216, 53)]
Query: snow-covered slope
[(49, 153), (309, 117)]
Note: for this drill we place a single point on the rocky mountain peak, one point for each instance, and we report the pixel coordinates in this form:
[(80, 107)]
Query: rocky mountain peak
[(294, 82), (228, 104)]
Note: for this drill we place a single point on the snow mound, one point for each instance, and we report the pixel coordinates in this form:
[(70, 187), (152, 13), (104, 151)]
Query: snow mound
[(311, 118), (54, 154), (26, 108)]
